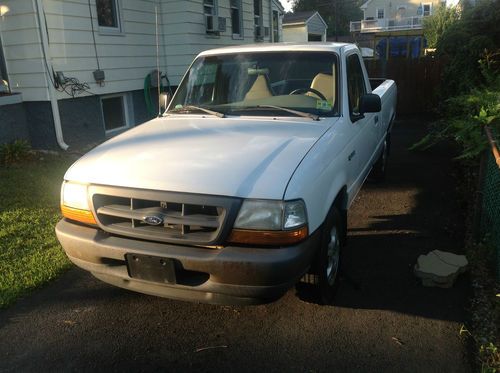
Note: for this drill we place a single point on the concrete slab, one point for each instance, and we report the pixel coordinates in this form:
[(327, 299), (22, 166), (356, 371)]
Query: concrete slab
[(440, 268)]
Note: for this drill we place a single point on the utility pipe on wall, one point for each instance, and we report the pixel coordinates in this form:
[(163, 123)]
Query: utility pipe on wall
[(52, 91)]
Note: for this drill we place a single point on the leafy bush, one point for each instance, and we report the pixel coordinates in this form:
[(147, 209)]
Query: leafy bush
[(463, 42), (14, 152), (469, 42), (465, 117), (438, 23)]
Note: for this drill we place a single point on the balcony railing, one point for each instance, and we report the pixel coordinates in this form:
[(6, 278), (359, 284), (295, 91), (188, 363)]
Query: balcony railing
[(387, 24)]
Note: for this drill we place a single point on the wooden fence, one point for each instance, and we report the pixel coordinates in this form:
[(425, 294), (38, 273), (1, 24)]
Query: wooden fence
[(417, 80)]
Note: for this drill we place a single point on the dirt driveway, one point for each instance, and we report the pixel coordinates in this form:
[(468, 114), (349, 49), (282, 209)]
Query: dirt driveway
[(384, 321)]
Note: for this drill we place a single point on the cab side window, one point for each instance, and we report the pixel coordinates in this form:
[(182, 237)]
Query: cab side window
[(355, 84)]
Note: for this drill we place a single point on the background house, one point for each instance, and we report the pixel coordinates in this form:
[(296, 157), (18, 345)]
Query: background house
[(82, 66), (386, 15), (303, 27), (394, 28)]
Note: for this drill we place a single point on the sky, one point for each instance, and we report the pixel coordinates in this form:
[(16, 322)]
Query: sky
[(287, 4)]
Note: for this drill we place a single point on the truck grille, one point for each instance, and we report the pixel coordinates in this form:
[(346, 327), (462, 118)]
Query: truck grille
[(164, 216)]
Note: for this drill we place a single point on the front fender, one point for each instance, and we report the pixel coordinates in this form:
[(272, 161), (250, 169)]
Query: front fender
[(320, 177)]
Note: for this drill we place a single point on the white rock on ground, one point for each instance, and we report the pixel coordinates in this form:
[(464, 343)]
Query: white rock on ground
[(440, 268)]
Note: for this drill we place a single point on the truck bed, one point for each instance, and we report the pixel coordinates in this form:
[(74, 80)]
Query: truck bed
[(375, 82)]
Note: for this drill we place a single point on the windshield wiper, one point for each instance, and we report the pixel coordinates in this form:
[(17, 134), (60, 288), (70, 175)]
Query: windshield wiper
[(296, 112), (200, 108)]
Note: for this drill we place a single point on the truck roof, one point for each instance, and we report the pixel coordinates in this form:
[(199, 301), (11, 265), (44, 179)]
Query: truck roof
[(276, 47)]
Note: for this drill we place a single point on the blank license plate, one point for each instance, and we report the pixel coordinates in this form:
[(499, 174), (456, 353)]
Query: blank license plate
[(151, 268)]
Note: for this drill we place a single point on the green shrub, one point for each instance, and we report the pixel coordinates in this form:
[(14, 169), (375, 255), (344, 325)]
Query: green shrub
[(14, 152), (469, 42), (435, 25), (463, 117), (463, 42)]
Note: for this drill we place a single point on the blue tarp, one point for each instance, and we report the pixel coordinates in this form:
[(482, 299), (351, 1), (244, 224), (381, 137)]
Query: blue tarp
[(398, 46)]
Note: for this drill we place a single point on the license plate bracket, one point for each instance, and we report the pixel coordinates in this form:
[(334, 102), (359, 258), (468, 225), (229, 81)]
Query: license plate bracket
[(151, 268)]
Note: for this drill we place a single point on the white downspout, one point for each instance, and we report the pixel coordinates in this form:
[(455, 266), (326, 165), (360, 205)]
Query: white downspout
[(52, 91)]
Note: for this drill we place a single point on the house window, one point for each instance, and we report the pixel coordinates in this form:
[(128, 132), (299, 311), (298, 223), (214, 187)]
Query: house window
[(276, 30), (108, 15), (236, 18), (258, 22), (115, 112), (210, 7), (380, 13), (427, 8)]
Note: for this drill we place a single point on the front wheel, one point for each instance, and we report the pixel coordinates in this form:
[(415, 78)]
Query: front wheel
[(328, 261)]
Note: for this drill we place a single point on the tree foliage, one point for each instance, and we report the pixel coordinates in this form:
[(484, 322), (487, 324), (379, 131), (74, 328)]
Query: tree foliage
[(438, 23), (464, 119), (336, 13), (470, 87), (463, 44)]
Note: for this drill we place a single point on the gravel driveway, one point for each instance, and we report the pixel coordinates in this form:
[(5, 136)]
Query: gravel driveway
[(383, 320)]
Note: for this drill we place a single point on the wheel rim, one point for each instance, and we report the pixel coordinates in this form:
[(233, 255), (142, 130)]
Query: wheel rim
[(333, 256)]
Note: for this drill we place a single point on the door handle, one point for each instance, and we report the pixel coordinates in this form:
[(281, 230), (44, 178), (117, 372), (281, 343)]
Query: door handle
[(351, 156), (376, 119)]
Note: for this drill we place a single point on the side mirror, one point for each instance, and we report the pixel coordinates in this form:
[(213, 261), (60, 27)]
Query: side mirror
[(370, 103)]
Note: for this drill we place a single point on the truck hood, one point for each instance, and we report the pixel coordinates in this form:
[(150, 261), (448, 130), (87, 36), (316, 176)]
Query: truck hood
[(242, 157)]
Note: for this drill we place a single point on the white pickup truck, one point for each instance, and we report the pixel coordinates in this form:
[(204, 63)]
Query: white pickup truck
[(242, 186)]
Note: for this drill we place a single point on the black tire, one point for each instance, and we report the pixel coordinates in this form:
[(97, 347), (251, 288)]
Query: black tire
[(379, 169), (329, 256)]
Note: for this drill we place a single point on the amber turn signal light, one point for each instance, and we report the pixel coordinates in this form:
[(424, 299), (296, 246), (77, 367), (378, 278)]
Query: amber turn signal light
[(271, 238), (83, 216)]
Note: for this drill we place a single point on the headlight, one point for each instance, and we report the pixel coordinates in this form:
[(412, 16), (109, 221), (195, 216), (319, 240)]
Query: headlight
[(260, 215), (74, 195), (74, 203), (269, 222), (271, 215)]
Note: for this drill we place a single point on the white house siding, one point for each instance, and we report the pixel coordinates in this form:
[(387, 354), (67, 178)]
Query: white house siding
[(184, 34), (126, 58), (22, 50)]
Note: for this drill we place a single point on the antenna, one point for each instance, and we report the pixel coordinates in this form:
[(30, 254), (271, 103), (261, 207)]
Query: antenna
[(157, 61)]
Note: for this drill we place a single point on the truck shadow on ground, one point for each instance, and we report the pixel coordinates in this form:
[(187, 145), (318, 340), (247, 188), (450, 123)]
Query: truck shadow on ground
[(416, 210)]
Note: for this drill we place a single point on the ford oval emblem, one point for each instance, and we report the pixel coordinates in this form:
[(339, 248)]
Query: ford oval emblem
[(153, 220)]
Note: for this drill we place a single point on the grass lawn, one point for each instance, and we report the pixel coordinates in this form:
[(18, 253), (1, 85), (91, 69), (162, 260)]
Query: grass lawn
[(30, 254)]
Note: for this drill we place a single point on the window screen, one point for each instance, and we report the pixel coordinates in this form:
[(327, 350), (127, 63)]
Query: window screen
[(427, 9), (107, 13), (236, 17), (209, 7)]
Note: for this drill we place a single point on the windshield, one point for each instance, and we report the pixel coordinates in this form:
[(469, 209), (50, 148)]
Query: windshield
[(261, 83)]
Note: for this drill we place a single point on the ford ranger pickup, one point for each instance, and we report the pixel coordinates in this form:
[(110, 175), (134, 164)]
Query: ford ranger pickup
[(242, 186)]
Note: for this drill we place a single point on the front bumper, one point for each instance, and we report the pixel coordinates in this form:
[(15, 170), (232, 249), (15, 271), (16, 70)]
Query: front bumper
[(231, 275)]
